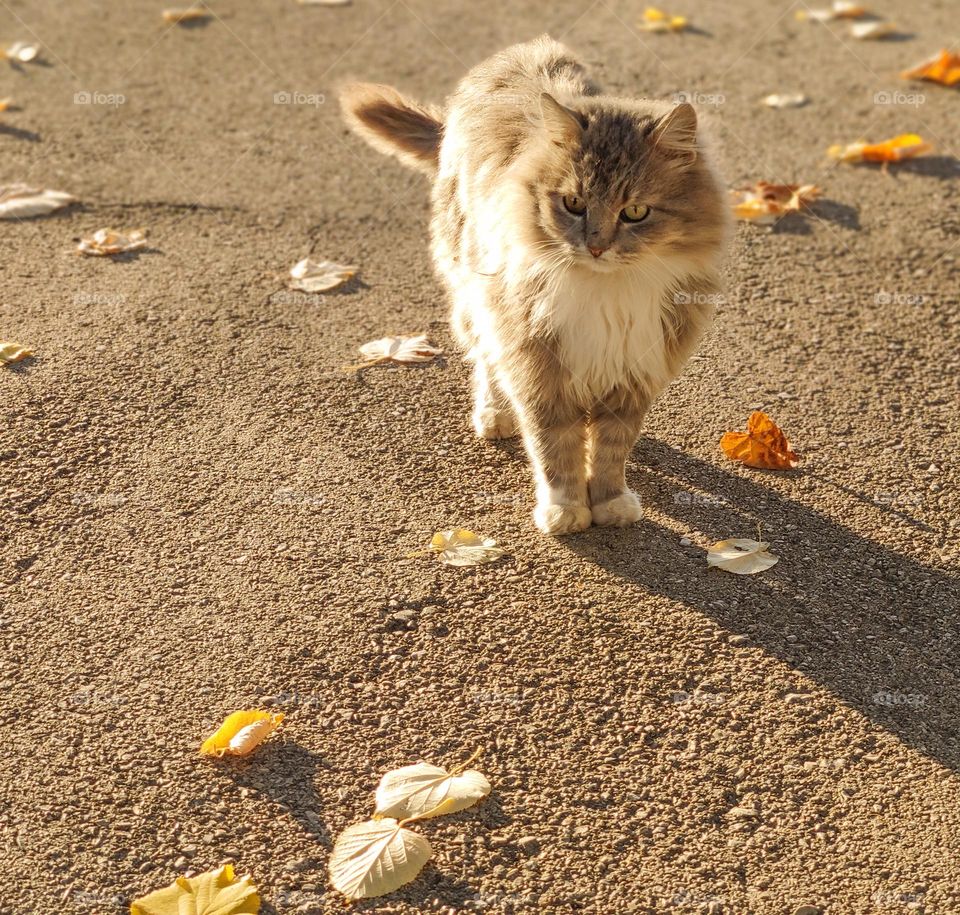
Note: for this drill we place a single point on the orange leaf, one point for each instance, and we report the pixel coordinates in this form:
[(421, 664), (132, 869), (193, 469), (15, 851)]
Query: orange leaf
[(943, 68), (905, 146), (762, 445)]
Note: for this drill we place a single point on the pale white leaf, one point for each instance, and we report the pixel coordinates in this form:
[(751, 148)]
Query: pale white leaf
[(20, 201), (188, 14), (419, 790), (785, 100), (460, 547), (104, 242), (319, 276), (741, 556), (872, 30), (22, 52), (324, 2), (376, 857), (400, 349)]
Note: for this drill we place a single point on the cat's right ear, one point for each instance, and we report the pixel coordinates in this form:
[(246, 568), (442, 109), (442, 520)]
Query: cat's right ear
[(393, 124), (563, 124)]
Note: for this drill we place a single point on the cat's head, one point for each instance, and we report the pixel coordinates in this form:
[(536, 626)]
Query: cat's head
[(617, 182)]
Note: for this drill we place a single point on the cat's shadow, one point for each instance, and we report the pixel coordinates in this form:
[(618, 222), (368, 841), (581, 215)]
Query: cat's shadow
[(874, 627)]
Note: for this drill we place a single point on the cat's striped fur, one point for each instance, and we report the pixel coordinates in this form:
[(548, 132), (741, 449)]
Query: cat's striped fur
[(575, 321)]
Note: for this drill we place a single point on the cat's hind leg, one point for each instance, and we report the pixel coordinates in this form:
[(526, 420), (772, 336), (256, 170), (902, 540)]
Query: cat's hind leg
[(493, 416)]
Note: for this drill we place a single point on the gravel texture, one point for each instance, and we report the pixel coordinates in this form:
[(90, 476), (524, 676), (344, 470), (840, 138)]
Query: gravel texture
[(203, 511)]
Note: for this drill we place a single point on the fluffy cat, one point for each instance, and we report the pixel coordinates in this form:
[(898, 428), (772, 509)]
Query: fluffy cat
[(580, 237)]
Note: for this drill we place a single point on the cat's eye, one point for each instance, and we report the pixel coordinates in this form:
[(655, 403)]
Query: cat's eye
[(636, 212), (574, 204)]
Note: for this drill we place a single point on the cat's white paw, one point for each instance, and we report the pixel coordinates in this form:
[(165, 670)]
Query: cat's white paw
[(619, 511), (561, 519), (493, 423)]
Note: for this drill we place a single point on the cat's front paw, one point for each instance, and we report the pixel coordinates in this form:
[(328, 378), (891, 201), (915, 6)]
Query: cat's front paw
[(561, 519), (493, 423), (619, 511)]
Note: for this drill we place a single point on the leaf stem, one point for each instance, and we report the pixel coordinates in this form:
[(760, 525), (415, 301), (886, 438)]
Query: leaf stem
[(474, 756)]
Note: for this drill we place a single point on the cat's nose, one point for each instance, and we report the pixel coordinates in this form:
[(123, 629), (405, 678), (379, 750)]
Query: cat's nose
[(596, 252)]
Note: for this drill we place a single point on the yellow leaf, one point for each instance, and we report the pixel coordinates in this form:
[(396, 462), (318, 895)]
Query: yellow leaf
[(12, 352), (319, 276), (109, 241), (376, 857), (741, 556), (217, 892), (241, 733), (460, 547), (868, 31), (423, 791), (655, 20)]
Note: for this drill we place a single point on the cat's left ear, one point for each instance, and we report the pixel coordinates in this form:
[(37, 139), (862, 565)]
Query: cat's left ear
[(564, 124), (676, 133)]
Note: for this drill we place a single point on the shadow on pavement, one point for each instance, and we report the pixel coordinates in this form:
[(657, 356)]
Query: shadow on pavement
[(877, 629)]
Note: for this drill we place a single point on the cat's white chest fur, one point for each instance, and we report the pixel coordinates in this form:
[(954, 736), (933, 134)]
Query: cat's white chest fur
[(609, 325)]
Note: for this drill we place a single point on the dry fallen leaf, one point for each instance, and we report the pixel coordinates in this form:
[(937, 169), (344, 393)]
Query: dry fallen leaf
[(905, 146), (425, 791), (943, 68), (460, 547), (190, 14), (765, 203), (865, 31), (217, 892), (376, 857), (241, 733), (785, 100), (655, 20), (22, 52), (741, 556), (841, 9), (399, 349), (109, 241), (6, 104), (763, 445), (13, 352), (20, 201), (319, 276)]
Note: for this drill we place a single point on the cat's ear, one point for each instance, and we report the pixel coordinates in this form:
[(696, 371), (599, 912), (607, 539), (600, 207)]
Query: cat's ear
[(393, 124), (564, 125), (676, 134)]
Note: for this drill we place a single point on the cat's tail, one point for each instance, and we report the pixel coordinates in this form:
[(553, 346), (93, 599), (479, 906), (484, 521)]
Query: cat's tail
[(393, 124)]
